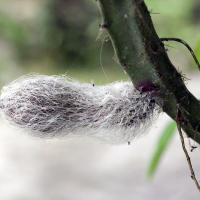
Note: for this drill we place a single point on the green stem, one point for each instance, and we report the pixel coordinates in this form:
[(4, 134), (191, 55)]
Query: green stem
[(142, 55)]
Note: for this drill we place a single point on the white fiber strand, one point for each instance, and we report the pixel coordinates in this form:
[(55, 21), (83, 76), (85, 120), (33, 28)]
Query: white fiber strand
[(57, 106)]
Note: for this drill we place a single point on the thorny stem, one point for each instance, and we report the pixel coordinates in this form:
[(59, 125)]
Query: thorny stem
[(142, 55), (185, 150), (183, 42)]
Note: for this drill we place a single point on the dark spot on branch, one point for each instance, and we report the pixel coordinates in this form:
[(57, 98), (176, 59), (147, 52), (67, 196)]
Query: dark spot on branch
[(147, 86), (104, 25)]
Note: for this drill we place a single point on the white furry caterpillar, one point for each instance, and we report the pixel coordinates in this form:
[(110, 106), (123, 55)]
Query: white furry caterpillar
[(57, 106)]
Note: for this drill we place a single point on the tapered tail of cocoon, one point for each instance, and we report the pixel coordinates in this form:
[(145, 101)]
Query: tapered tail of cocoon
[(57, 106)]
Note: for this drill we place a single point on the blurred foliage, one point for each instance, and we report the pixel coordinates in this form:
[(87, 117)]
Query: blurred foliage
[(51, 36), (61, 32), (162, 143), (58, 36)]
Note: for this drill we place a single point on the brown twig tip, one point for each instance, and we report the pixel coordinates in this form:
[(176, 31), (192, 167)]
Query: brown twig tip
[(185, 150)]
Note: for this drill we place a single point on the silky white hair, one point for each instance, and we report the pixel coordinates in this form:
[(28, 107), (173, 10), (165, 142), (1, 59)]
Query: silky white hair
[(57, 106)]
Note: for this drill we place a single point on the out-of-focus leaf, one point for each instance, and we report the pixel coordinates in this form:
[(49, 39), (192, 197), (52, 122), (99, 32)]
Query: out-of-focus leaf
[(161, 145)]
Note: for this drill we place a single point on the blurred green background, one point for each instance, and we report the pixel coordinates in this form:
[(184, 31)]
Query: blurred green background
[(61, 36)]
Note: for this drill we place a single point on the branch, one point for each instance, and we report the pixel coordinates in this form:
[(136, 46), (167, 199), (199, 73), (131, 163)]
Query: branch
[(142, 55)]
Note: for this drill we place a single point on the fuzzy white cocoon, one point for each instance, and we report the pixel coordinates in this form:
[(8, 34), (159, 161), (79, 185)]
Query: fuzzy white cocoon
[(57, 106)]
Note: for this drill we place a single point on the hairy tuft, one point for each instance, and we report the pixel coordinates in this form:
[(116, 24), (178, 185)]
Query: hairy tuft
[(57, 106)]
